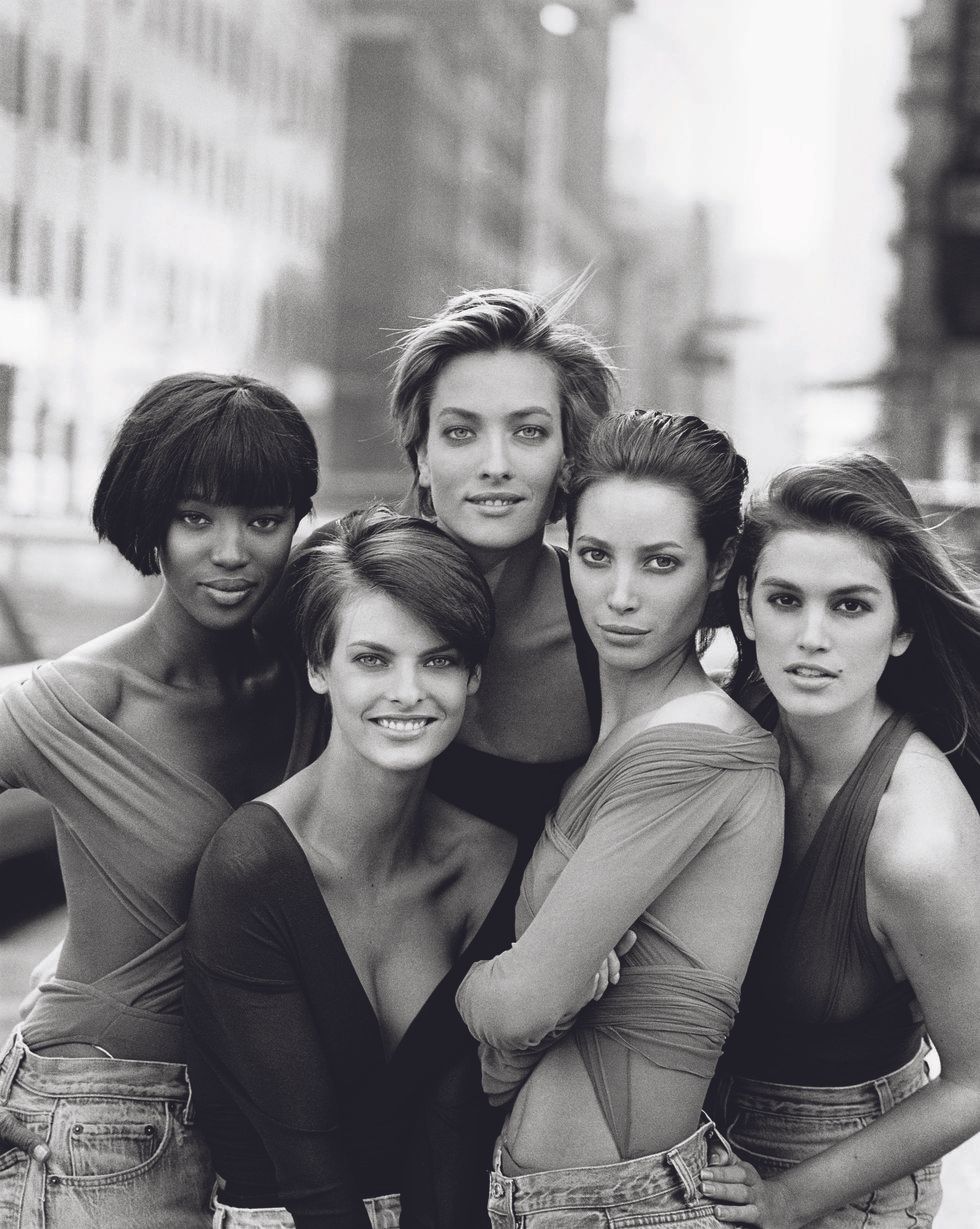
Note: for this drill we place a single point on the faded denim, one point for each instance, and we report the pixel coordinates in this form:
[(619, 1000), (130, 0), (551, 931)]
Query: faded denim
[(652, 1192), (774, 1126), (123, 1148)]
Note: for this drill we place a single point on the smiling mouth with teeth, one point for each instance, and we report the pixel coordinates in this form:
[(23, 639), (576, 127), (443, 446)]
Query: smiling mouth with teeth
[(403, 724), (812, 672), (494, 501)]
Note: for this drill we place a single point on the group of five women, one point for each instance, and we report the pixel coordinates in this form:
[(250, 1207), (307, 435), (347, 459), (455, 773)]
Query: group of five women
[(491, 875)]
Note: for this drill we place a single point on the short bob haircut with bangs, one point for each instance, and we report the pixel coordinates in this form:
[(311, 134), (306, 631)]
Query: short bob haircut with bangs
[(406, 558), (487, 321), (224, 439)]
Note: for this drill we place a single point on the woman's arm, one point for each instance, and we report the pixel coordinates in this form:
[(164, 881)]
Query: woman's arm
[(650, 825), (252, 1030), (923, 867)]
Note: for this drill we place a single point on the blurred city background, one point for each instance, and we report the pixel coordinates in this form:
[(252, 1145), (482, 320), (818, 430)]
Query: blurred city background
[(779, 204)]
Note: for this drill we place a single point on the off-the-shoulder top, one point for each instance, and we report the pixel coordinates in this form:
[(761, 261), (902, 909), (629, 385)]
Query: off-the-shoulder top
[(132, 819)]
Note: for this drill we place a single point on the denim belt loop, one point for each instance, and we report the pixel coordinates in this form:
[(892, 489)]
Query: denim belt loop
[(692, 1191), (188, 1115), (10, 1062), (886, 1098), (723, 1140)]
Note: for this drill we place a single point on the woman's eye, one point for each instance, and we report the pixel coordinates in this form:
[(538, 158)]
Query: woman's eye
[(782, 601), (531, 432), (458, 433), (194, 519), (267, 523), (852, 605), (592, 555), (442, 661), (662, 563), (371, 660)]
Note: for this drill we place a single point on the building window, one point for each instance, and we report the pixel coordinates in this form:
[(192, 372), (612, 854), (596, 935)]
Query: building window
[(45, 256), (76, 266), (119, 124), (41, 429), (13, 71), (7, 374), (51, 93), (82, 109), (14, 245)]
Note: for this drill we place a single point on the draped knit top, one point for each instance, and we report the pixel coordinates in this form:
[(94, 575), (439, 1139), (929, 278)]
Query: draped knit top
[(642, 836), (139, 823), (820, 1004)]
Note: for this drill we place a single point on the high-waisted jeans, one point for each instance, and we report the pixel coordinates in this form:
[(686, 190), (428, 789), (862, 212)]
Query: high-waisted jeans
[(123, 1150), (383, 1213), (651, 1192), (774, 1126)]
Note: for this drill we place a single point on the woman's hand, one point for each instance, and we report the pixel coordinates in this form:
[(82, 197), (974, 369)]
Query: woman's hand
[(608, 974), (746, 1198), (14, 1133)]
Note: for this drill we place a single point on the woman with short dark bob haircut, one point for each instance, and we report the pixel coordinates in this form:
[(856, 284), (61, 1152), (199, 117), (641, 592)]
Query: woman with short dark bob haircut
[(334, 917), (143, 741), (492, 399), (671, 830), (858, 642)]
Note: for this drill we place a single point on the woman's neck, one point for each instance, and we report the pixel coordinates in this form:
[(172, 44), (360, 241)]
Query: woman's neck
[(511, 574), (181, 651), (824, 750), (360, 820), (629, 694)]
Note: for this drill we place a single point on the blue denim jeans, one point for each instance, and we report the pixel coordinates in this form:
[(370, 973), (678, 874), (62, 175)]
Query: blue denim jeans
[(651, 1192), (776, 1125), (123, 1150), (383, 1213)]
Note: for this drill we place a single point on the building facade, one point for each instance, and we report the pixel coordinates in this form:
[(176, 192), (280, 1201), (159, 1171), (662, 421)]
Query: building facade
[(167, 193), (932, 406), (474, 155)]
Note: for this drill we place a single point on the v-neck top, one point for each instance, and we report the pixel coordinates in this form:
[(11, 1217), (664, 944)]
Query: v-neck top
[(137, 824), (518, 794), (300, 1104), (820, 1005)]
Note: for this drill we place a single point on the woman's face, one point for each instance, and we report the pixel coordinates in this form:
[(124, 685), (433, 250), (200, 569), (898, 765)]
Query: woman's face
[(823, 617), (493, 453), (640, 571), (221, 561), (397, 690)]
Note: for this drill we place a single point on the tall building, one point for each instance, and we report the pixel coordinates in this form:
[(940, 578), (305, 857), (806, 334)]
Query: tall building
[(167, 195), (473, 155), (932, 412)]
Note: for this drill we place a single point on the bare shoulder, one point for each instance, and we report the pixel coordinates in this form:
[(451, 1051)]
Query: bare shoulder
[(480, 852), (96, 670), (926, 834), (709, 707)]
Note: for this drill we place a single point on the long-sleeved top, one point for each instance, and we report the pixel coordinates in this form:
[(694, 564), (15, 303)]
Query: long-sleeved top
[(653, 837), (300, 1106)]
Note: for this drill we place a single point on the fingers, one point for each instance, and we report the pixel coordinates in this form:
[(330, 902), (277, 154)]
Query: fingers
[(14, 1132), (625, 943), (718, 1154), (747, 1214), (601, 981), (736, 1172)]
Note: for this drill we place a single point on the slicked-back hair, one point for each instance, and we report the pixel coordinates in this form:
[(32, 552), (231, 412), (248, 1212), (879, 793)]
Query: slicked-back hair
[(406, 558), (937, 679), (225, 439), (487, 321), (677, 450)]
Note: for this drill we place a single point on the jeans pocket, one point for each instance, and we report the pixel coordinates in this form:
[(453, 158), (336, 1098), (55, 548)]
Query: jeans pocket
[(114, 1141)]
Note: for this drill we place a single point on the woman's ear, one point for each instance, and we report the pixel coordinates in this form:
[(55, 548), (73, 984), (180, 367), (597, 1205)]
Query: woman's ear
[(744, 607), (317, 676), (473, 682), (422, 462), (900, 642), (723, 564)]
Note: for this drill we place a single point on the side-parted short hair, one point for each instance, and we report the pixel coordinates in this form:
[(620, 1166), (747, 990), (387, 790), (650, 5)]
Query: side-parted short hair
[(227, 439), (484, 321), (406, 558)]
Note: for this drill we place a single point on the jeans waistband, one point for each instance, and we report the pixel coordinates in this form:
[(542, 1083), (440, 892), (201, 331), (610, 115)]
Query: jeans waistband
[(875, 1096), (93, 1077), (674, 1174)]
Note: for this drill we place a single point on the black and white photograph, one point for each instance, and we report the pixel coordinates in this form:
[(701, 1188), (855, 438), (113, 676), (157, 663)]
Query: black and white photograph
[(489, 614)]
